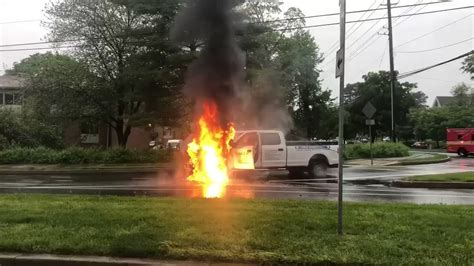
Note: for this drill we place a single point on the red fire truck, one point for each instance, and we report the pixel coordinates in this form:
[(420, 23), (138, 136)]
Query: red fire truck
[(460, 141)]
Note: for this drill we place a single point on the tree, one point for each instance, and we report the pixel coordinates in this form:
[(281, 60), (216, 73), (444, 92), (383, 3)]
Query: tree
[(281, 68), (468, 65), (432, 123), (464, 94), (60, 89), (126, 46), (376, 89)]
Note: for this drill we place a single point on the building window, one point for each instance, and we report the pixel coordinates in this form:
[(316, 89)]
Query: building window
[(89, 133), (1, 98), (9, 98)]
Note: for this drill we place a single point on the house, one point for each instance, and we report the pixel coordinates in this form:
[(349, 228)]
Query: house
[(10, 91), (441, 101)]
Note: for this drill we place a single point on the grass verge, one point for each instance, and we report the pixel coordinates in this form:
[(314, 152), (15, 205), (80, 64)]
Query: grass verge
[(454, 177), (236, 230), (435, 158)]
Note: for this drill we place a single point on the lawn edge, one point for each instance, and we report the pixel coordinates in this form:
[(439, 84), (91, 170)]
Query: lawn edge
[(53, 259)]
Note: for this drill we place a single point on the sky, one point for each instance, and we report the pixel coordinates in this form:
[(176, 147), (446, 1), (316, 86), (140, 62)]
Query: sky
[(366, 50)]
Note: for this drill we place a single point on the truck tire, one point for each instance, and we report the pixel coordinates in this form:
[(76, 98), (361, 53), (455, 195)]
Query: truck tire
[(463, 153), (318, 169)]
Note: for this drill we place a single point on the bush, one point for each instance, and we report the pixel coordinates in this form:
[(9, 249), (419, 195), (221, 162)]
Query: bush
[(379, 150), (76, 155)]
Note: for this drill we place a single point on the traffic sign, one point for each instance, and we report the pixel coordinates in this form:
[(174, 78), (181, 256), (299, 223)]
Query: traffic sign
[(339, 63), (369, 110), (369, 122)]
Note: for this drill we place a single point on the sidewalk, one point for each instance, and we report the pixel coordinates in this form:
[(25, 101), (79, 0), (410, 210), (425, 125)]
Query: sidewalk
[(55, 260)]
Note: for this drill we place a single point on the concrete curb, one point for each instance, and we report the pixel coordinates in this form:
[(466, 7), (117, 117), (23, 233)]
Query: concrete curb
[(427, 184), (56, 260), (427, 161)]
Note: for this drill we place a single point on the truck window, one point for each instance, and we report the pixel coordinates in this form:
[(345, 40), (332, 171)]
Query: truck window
[(270, 138), (459, 137), (249, 139)]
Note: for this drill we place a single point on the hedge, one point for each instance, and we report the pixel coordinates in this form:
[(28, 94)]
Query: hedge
[(76, 155), (379, 150)]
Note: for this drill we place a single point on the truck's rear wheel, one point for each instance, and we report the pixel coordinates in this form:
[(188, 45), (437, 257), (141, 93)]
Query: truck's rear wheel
[(463, 153), (318, 169)]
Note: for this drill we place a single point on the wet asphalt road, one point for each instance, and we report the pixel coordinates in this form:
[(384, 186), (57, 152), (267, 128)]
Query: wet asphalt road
[(274, 184)]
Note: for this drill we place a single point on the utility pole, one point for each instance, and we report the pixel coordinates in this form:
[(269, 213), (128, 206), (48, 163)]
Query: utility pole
[(392, 68)]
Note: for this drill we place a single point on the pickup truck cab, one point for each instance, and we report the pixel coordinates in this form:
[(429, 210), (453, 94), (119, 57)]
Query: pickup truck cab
[(268, 149)]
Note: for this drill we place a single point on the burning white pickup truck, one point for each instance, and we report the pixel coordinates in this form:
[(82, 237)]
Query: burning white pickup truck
[(268, 149)]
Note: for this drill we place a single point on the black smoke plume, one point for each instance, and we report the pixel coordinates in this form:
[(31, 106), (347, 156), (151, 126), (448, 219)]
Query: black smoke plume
[(217, 74)]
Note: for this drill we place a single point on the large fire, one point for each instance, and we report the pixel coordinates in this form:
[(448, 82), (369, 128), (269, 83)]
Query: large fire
[(209, 152)]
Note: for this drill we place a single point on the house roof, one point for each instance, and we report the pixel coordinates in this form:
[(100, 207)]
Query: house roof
[(10, 81), (444, 100)]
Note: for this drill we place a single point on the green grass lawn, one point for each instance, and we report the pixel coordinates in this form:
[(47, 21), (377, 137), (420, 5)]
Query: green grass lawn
[(458, 177), (237, 230)]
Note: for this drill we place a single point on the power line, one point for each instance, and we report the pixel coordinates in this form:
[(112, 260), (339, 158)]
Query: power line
[(39, 48), (349, 12), (296, 28), (433, 49), (19, 21), (383, 55), (428, 33), (334, 46), (379, 18), (411, 73), (365, 47), (407, 18)]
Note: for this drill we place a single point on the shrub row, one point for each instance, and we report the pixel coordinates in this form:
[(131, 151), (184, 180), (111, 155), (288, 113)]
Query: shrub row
[(379, 150), (77, 155)]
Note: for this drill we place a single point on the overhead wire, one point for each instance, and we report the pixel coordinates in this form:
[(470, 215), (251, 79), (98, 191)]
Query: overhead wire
[(333, 47), (296, 28), (437, 29), (434, 49), (413, 72)]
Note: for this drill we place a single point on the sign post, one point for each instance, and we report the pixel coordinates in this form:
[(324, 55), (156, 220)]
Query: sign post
[(370, 123), (340, 67), (369, 111)]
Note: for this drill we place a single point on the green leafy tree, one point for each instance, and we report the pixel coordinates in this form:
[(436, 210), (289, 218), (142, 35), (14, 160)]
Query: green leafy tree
[(282, 66), (60, 89), (376, 89), (468, 65), (125, 44), (432, 123), (464, 95)]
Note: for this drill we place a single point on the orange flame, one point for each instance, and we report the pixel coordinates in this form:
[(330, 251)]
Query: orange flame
[(209, 151)]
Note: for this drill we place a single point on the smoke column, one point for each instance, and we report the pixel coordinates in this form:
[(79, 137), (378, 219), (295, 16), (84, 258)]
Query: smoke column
[(218, 72)]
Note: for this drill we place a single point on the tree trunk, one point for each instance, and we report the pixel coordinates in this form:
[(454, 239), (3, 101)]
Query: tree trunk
[(122, 133)]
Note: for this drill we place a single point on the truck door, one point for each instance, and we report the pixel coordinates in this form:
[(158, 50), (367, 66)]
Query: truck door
[(245, 152), (273, 150)]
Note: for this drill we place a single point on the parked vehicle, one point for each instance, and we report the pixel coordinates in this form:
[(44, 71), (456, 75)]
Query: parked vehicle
[(268, 149), (420, 145), (174, 144), (460, 141)]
